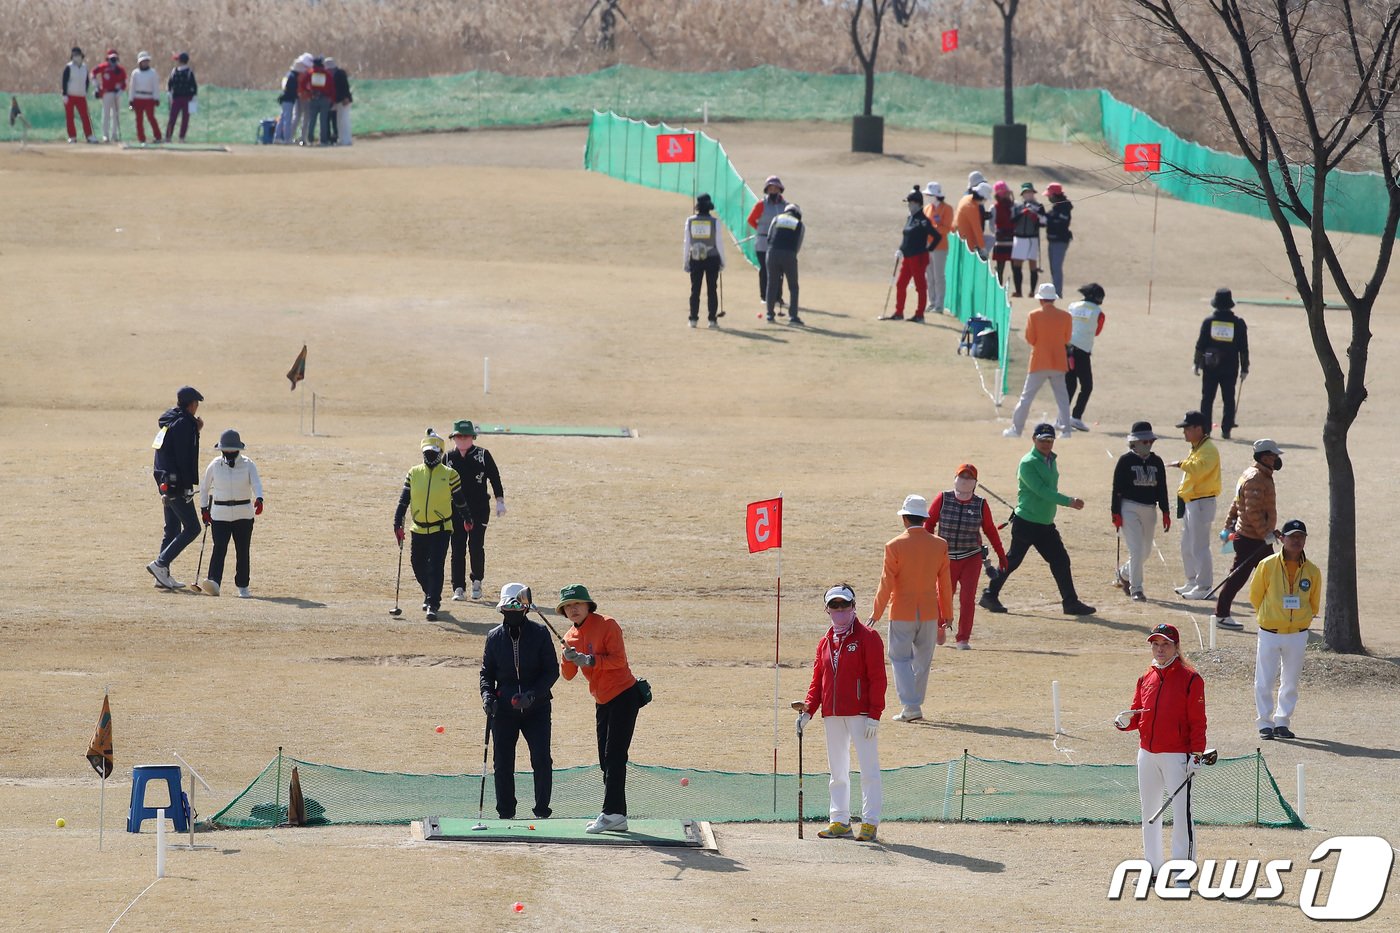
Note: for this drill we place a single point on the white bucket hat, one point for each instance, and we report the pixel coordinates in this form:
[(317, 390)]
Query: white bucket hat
[(917, 506), (933, 190), (515, 597), (1046, 292)]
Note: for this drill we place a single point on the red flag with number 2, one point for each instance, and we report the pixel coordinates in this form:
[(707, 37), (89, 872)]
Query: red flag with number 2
[(765, 525)]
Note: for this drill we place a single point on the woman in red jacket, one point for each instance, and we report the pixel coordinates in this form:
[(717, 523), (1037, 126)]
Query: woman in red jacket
[(848, 686), (1169, 714)]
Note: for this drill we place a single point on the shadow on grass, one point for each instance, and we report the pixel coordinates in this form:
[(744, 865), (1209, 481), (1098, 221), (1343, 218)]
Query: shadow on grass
[(979, 865)]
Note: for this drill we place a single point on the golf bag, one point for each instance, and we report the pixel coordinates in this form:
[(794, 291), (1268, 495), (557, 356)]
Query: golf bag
[(979, 339)]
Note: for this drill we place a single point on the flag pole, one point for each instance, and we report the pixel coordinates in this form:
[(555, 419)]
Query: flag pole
[(301, 415), (777, 629), (102, 794), (1152, 262)]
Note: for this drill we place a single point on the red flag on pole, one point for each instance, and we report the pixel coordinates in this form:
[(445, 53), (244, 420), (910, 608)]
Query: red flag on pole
[(765, 525), (298, 371), (1142, 157), (99, 753), (950, 40), (675, 147)]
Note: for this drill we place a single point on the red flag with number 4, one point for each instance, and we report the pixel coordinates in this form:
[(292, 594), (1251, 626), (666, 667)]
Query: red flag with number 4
[(765, 525), (675, 147), (950, 40)]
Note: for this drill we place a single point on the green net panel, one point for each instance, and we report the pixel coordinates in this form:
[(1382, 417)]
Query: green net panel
[(1236, 791), (974, 291)]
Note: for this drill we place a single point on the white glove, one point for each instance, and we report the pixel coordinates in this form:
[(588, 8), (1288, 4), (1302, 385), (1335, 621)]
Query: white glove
[(803, 718), (500, 506), (1124, 719), (898, 254), (1193, 764), (871, 727)]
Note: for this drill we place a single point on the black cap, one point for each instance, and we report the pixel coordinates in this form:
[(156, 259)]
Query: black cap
[(1043, 430), (915, 197), (1223, 299), (1294, 526), (1093, 292), (1194, 419), (186, 395)]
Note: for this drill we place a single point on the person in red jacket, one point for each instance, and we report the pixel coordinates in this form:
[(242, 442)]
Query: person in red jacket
[(962, 518), (111, 83), (1169, 715), (848, 686)]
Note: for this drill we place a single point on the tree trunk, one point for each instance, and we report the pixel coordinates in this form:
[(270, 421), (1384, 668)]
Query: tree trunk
[(869, 87), (1341, 627)]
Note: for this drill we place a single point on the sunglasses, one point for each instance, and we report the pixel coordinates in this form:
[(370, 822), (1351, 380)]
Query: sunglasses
[(840, 604)]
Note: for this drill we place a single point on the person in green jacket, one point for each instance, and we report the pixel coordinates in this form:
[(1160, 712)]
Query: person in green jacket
[(433, 492), (1033, 524)]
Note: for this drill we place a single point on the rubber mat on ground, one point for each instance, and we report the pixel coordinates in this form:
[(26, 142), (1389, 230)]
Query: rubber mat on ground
[(694, 834)]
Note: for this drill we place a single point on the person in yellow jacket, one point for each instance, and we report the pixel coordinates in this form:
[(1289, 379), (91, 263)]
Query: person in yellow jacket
[(1286, 593), (432, 492), (1196, 499)]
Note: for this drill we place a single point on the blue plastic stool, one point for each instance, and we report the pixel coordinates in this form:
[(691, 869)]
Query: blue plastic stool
[(178, 810)]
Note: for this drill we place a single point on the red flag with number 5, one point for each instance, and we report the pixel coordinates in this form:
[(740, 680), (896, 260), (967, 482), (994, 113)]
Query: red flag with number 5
[(950, 40), (765, 525)]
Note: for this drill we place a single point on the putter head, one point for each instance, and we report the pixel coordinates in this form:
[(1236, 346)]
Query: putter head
[(396, 611), (478, 826)]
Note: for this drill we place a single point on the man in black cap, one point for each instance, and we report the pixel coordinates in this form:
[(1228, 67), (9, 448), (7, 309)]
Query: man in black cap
[(1222, 356), (176, 471), (1195, 505), (478, 469)]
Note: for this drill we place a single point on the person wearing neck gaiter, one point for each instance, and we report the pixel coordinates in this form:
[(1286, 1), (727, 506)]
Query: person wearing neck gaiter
[(231, 496), (1169, 715), (848, 686), (961, 517), (761, 219), (518, 668)]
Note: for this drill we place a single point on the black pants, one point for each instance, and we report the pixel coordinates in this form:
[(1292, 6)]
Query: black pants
[(617, 720), (1224, 380), (708, 270), (782, 263), (427, 555), (1248, 552), (1046, 540), (763, 277), (242, 533), (181, 527), (507, 727), (1081, 375), (468, 542)]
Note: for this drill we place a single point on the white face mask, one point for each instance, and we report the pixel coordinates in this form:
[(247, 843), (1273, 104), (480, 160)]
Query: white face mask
[(1141, 448), (842, 619), (964, 487)]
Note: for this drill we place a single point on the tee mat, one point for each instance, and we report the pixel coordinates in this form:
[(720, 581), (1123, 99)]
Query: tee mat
[(553, 430), (689, 834), (175, 147)]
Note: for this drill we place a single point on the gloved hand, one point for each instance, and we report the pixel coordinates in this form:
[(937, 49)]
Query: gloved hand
[(1196, 370), (523, 701), (871, 726), (1003, 565), (571, 655), (488, 704), (1243, 374), (898, 254), (467, 525), (398, 534), (500, 506), (1117, 520), (204, 514), (803, 718), (1193, 764), (1124, 720), (1166, 521), (257, 506), (585, 660)]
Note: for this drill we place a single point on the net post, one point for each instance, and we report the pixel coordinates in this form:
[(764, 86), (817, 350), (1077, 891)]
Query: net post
[(962, 791), (277, 791), (1258, 767)]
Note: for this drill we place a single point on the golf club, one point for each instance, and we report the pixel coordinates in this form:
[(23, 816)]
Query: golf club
[(1207, 757), (1247, 565), (890, 291), (200, 566), (720, 313), (396, 611), (1239, 396), (996, 497), (545, 619), (481, 801), (801, 707)]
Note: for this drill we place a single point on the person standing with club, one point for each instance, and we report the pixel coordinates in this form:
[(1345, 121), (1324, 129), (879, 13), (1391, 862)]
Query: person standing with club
[(176, 471), (432, 492), (939, 213), (518, 668), (913, 258), (183, 89), (1139, 490), (111, 82), (848, 686), (761, 219), (916, 584), (1252, 525), (1195, 505), (145, 97), (1033, 523), (478, 470), (1057, 232), (785, 237), (1286, 592), (231, 496), (1087, 323), (593, 644), (1222, 357), (1169, 714), (961, 517), (1049, 330), (704, 258)]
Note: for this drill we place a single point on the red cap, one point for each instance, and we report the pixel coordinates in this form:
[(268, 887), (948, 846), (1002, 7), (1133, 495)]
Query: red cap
[(1054, 188), (1166, 631), (966, 468)]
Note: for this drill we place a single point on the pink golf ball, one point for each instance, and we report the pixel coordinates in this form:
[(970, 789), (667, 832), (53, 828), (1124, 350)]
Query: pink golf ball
[(685, 782)]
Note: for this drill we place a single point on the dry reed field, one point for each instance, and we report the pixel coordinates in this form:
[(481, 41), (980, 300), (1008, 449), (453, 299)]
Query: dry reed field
[(403, 263)]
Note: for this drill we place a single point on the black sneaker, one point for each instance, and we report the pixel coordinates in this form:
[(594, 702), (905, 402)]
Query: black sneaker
[(990, 603), (431, 616), (771, 319), (1267, 733), (1283, 732), (796, 321), (1079, 608)]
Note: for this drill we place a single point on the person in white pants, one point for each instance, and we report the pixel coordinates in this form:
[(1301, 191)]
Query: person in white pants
[(1139, 492), (1048, 331), (939, 213), (1286, 593), (1196, 503)]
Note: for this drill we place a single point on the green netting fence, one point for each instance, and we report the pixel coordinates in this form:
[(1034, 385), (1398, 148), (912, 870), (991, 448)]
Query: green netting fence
[(974, 291), (1236, 791), (625, 149)]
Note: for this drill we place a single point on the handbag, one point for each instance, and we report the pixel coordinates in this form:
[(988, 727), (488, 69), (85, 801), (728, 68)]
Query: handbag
[(643, 692)]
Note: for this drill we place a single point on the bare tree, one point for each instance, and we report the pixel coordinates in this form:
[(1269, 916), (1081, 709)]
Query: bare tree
[(1306, 86), (865, 36)]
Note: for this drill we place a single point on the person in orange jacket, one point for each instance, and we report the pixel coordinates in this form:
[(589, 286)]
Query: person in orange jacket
[(967, 220), (848, 686), (1169, 715), (593, 644), (939, 213), (916, 583)]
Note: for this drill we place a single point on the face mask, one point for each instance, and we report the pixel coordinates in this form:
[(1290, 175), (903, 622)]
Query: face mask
[(230, 456), (464, 444), (914, 208), (1141, 448), (513, 620), (842, 619), (430, 457), (1278, 463), (964, 487), (1161, 664)]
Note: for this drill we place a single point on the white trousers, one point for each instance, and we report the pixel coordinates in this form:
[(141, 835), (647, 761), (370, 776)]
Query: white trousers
[(911, 654), (1139, 525), (937, 276), (841, 733), (342, 124), (1197, 558), (1034, 381), (112, 116), (1160, 773), (1277, 654)]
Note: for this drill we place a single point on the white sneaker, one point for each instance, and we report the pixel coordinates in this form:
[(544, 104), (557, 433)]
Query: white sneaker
[(693, 323), (1011, 432), (607, 823), (476, 589), (1227, 622), (1078, 424), (243, 592), (908, 714), (162, 574), (459, 594), (1183, 589), (963, 646), (1199, 592), (1066, 432), (210, 586)]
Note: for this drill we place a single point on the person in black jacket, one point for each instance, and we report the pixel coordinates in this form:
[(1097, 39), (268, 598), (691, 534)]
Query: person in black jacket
[(518, 668), (1139, 488), (785, 235), (176, 471), (340, 107), (477, 469), (1222, 357), (918, 236), (1057, 232), (183, 89)]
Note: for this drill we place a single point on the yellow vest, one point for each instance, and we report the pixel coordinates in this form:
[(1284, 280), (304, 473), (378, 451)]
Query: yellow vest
[(430, 492), (1200, 475), (1270, 586)]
